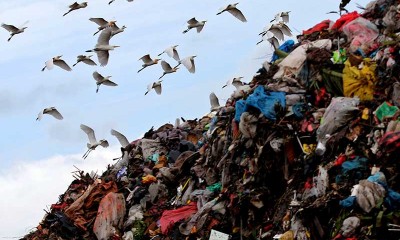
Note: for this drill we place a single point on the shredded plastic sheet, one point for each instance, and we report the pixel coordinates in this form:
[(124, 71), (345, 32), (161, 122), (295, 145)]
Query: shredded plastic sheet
[(362, 34), (349, 226), (325, 24), (266, 102), (340, 111), (293, 63), (109, 216), (344, 20), (169, 217)]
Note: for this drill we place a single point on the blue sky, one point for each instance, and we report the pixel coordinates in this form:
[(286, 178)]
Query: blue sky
[(42, 153)]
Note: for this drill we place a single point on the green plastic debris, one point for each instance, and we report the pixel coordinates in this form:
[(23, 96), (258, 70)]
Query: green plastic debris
[(339, 56), (385, 111), (215, 187)]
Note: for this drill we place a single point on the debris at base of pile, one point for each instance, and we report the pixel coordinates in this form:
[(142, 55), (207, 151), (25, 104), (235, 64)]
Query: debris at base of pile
[(307, 150)]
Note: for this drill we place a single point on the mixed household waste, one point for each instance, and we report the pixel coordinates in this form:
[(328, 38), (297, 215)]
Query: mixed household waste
[(309, 149)]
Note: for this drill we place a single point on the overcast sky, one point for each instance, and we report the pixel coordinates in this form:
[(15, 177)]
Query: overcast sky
[(37, 158)]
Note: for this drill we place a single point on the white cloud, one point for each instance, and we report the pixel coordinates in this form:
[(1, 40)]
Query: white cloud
[(29, 187)]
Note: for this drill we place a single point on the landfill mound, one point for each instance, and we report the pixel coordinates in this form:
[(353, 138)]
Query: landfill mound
[(307, 150)]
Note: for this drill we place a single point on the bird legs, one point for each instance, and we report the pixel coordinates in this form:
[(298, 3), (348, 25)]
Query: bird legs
[(161, 76), (86, 153), (12, 35)]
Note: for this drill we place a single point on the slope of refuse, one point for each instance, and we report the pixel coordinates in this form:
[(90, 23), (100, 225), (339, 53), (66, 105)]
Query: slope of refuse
[(309, 149)]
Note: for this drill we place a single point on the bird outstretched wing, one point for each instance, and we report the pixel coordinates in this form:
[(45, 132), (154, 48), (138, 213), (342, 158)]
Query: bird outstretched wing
[(285, 17), (55, 113), (103, 57), (97, 76), (74, 5), (199, 28), (165, 66), (121, 138), (9, 28), (238, 14), (104, 144), (172, 52), (99, 21), (109, 83), (89, 131), (274, 42), (214, 102), (104, 38), (158, 88), (89, 61), (146, 59), (237, 83), (277, 32), (192, 21), (285, 29), (188, 62), (62, 64)]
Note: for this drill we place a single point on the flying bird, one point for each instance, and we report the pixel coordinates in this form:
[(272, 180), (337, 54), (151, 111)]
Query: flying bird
[(103, 46), (272, 40), (103, 80), (193, 23), (58, 62), (188, 62), (214, 102), (147, 61), (14, 30), (126, 147), (156, 86), (93, 143), (167, 68), (236, 82), (114, 0), (231, 8), (76, 6), (85, 59), (284, 16), (279, 30), (102, 23), (51, 111), (171, 52)]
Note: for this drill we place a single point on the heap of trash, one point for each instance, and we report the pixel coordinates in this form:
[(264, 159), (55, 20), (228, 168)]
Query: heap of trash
[(309, 149)]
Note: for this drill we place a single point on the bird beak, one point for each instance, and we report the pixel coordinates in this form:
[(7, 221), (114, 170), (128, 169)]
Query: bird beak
[(194, 56), (116, 46)]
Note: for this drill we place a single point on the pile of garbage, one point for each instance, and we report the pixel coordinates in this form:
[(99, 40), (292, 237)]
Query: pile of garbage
[(307, 150)]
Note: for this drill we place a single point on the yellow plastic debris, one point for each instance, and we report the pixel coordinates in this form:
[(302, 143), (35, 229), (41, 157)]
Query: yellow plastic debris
[(359, 80)]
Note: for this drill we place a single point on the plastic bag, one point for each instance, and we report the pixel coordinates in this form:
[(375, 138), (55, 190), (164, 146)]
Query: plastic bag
[(361, 33)]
